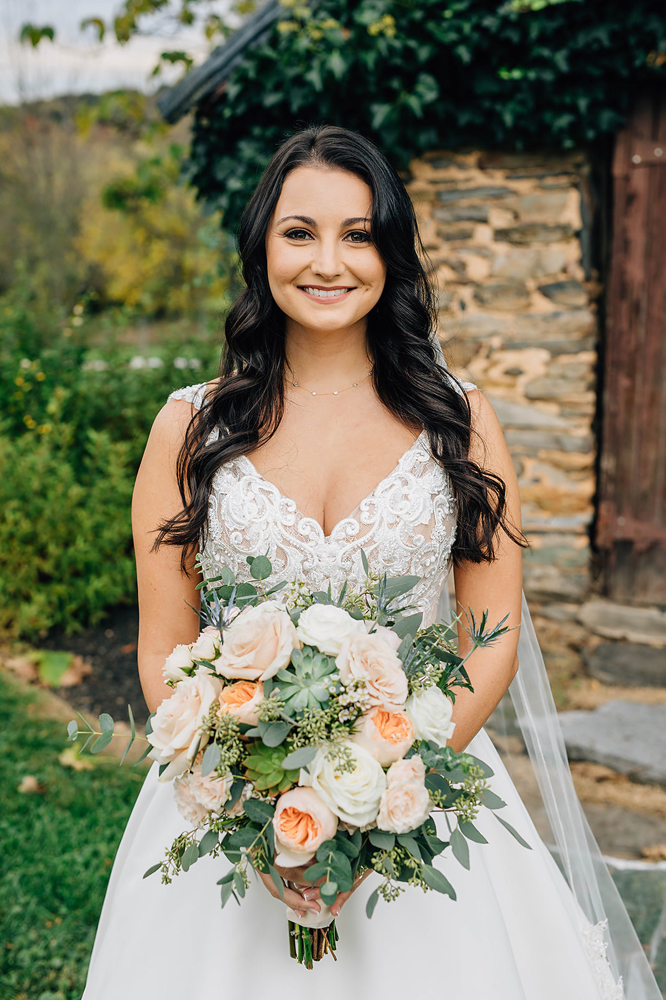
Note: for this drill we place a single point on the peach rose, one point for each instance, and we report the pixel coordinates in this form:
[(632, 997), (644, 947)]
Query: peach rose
[(302, 822), (405, 804), (242, 700), (374, 659), (386, 735), (196, 796), (188, 807), (177, 721), (258, 643)]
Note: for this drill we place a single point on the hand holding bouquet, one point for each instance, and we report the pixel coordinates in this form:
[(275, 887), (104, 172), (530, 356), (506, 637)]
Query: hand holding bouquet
[(309, 731)]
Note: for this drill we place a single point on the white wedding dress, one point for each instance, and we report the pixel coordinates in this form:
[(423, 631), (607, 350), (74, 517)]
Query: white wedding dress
[(515, 932)]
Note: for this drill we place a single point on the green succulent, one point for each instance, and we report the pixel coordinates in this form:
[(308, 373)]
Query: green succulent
[(307, 684), (264, 769)]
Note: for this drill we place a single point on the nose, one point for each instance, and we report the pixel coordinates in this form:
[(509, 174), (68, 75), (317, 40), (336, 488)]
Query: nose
[(327, 258)]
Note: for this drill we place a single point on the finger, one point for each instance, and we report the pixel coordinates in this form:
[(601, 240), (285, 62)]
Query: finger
[(342, 897), (291, 898)]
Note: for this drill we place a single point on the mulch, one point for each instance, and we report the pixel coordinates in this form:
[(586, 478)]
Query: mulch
[(110, 648)]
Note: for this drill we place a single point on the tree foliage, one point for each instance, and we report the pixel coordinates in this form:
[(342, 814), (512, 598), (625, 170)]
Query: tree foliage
[(426, 75)]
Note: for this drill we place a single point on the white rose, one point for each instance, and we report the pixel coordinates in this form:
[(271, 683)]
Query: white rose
[(405, 803), (353, 796), (258, 643), (207, 645), (326, 627), (430, 712), (177, 662), (188, 807), (177, 721), (374, 660)]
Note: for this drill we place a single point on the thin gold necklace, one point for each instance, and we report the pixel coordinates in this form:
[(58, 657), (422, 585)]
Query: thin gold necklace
[(336, 392)]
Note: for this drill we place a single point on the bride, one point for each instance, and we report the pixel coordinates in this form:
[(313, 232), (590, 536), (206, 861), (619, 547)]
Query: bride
[(335, 426)]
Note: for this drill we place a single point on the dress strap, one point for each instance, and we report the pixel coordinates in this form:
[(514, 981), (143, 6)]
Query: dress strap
[(193, 394)]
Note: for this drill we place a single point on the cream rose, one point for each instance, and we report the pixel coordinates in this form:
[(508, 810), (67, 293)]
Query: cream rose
[(326, 626), (405, 803), (176, 723), (207, 645), (353, 796), (430, 712), (211, 791), (177, 663), (258, 643), (371, 658), (386, 735), (302, 822), (242, 700), (188, 807)]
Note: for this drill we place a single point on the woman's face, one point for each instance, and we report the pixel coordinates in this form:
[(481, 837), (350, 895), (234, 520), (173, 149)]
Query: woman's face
[(323, 269)]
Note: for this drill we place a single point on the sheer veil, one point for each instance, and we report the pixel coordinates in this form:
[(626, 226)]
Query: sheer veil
[(603, 916)]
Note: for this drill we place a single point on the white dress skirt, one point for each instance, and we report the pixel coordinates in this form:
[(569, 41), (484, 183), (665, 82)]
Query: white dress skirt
[(515, 931)]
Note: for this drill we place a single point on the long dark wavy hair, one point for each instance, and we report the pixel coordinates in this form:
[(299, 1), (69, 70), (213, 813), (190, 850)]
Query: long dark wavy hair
[(247, 403)]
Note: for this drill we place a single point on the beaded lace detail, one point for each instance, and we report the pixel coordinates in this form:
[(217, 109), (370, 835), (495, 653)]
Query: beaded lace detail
[(406, 525), (596, 949)]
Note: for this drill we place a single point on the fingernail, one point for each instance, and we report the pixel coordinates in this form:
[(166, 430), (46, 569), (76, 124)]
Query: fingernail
[(308, 894), (299, 913)]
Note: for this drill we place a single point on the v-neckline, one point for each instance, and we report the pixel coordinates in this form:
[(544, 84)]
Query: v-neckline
[(255, 472)]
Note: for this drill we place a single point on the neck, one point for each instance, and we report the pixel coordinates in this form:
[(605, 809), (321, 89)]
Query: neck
[(323, 358)]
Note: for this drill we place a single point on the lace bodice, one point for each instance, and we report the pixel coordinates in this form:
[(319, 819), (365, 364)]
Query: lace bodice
[(406, 525)]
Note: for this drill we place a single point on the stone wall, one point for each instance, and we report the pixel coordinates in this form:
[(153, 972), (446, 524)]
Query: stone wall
[(506, 237)]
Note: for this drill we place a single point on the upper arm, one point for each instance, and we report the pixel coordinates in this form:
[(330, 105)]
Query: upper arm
[(495, 586), (165, 619)]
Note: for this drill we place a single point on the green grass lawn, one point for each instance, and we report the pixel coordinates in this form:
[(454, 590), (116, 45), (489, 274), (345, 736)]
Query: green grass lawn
[(57, 851)]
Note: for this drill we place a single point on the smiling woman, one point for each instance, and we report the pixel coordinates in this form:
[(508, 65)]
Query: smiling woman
[(404, 474)]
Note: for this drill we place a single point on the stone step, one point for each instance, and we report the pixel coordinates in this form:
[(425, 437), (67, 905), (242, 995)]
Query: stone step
[(627, 737), (628, 664), (646, 626)]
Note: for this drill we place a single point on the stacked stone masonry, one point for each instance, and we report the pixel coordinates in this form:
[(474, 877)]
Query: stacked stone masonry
[(505, 236)]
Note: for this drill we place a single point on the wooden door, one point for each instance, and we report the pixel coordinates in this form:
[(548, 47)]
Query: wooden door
[(631, 517)]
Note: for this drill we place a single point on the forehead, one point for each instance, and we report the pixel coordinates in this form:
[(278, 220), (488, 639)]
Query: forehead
[(323, 194)]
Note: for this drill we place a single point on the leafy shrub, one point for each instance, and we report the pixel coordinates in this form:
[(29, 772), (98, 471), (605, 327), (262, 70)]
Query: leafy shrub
[(418, 77), (65, 537)]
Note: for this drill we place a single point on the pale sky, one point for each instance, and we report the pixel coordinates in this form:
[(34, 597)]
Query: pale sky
[(76, 63)]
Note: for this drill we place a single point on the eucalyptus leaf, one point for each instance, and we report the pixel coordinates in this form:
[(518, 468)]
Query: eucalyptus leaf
[(208, 842), (132, 723), (225, 893), (229, 877), (145, 753), (102, 742), (373, 899), (279, 884), (276, 733), (299, 758), (328, 892), (364, 560), (514, 833), (190, 856), (434, 878), (106, 723), (261, 568), (486, 768), (239, 884), (73, 729), (408, 625), (211, 759), (470, 831), (259, 811), (410, 845), (152, 870), (460, 848), (86, 723), (381, 839), (127, 748), (491, 800)]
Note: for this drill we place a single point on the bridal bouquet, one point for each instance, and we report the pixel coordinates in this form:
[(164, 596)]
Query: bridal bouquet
[(310, 729)]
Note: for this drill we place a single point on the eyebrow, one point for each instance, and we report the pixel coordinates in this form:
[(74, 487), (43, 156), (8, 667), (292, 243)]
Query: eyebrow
[(311, 222)]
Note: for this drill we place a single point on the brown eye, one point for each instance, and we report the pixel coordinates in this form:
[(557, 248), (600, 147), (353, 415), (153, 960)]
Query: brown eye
[(298, 234), (359, 236)]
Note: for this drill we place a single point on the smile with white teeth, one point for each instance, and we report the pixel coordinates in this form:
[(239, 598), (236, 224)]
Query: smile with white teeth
[(324, 293)]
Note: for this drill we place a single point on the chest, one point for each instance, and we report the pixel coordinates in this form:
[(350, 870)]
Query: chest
[(327, 456)]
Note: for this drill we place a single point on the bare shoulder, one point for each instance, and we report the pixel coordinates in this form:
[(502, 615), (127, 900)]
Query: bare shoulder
[(487, 434)]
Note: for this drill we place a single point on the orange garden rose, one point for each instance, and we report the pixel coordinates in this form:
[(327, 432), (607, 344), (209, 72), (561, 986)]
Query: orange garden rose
[(302, 822), (242, 700), (386, 735)]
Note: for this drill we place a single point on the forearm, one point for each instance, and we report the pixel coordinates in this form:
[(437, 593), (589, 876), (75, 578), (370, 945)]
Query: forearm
[(491, 671)]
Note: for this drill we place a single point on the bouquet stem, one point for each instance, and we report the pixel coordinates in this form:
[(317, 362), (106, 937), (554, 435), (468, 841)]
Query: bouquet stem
[(309, 944)]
